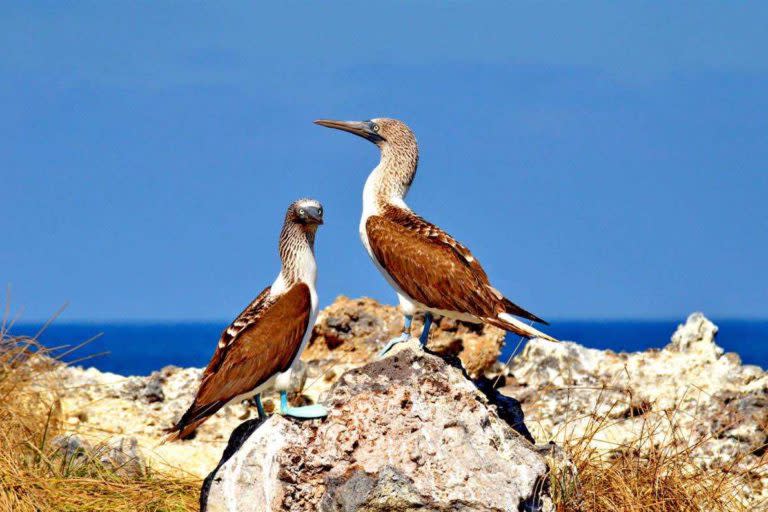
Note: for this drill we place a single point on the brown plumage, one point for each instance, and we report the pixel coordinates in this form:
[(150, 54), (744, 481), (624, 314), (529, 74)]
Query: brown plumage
[(433, 268), (266, 337)]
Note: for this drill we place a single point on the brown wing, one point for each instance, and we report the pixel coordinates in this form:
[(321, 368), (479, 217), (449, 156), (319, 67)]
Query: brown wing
[(433, 268), (261, 342)]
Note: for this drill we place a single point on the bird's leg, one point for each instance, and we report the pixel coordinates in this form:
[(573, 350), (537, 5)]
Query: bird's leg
[(403, 337), (304, 412), (260, 408), (424, 338)]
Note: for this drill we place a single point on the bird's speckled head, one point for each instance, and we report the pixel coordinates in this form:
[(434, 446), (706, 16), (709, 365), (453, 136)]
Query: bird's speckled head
[(305, 212), (399, 154), (392, 131)]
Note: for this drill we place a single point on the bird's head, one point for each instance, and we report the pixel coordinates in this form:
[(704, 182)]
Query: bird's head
[(382, 131), (307, 213)]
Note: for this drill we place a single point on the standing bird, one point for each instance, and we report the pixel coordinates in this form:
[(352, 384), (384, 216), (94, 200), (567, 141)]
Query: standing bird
[(259, 348), (429, 269)]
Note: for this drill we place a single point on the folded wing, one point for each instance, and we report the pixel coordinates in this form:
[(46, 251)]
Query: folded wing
[(262, 341), (433, 268)]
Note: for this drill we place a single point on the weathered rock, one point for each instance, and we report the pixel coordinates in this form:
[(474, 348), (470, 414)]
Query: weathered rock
[(409, 432), (707, 399), (696, 338), (563, 388), (120, 454), (350, 332)]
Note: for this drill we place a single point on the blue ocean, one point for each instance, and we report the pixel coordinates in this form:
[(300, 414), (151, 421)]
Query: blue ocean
[(140, 348)]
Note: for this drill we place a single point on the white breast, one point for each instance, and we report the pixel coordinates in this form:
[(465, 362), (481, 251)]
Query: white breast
[(371, 207), (308, 275)]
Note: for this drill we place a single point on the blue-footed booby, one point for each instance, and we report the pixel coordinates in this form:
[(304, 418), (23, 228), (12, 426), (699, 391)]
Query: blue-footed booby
[(430, 271), (259, 348)]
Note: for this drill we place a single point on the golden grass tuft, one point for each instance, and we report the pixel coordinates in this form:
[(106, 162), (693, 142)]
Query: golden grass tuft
[(657, 470), (36, 475)]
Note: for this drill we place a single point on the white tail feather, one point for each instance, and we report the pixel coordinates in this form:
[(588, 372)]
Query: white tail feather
[(527, 329)]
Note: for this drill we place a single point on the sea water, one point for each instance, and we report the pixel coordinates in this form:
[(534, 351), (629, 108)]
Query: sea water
[(139, 348)]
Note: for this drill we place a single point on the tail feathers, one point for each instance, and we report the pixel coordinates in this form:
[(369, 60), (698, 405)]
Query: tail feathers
[(513, 309), (512, 324), (193, 418), (180, 432)]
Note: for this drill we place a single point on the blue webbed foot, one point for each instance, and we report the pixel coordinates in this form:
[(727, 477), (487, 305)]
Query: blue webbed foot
[(403, 337), (394, 341), (305, 412)]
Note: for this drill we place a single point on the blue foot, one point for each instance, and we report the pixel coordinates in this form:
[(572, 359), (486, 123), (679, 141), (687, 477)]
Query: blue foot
[(424, 338), (394, 341), (305, 412), (403, 337), (260, 408)]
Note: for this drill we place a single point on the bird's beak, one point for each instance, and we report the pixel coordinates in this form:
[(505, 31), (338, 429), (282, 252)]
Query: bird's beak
[(315, 214), (359, 128)]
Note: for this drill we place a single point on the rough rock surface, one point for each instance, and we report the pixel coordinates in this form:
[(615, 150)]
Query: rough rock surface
[(118, 454), (409, 432), (350, 332), (721, 405), (690, 390), (100, 405)]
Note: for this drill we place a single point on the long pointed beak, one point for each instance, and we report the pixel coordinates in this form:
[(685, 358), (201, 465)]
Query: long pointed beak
[(356, 127), (359, 128)]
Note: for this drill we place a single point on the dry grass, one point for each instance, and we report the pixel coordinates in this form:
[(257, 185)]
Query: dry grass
[(38, 475), (660, 469)]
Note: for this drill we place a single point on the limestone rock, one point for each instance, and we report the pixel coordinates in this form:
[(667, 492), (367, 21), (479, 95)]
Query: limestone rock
[(688, 387), (409, 432), (121, 455), (721, 404), (696, 337), (350, 332)]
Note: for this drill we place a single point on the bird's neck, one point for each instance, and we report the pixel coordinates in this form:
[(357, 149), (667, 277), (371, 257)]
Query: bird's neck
[(297, 255), (389, 182)]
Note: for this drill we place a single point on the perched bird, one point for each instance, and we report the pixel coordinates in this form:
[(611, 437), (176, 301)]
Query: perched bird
[(259, 348), (430, 271)]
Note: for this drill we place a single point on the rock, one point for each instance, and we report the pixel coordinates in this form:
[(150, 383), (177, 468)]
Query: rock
[(696, 338), (720, 404), (409, 432), (70, 446), (689, 386), (477, 345), (120, 455), (350, 332), (153, 390)]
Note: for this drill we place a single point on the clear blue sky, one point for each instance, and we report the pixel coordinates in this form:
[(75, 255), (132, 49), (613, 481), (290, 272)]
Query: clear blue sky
[(601, 160)]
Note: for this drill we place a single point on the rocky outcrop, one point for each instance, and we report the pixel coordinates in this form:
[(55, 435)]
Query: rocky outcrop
[(690, 391), (350, 332), (100, 406), (409, 432)]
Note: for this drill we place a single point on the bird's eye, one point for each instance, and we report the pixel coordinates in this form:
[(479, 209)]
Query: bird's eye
[(375, 128), (319, 211), (302, 212)]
